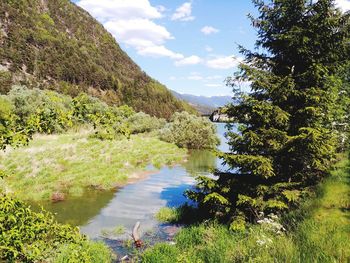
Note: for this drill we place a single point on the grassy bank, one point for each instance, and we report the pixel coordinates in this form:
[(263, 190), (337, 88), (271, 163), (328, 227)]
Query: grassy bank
[(68, 163), (317, 232)]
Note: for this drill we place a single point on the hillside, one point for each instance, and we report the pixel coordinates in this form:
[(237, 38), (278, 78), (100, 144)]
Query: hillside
[(57, 45), (205, 105)]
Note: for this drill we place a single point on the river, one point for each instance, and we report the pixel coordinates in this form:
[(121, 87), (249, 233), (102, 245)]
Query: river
[(100, 211)]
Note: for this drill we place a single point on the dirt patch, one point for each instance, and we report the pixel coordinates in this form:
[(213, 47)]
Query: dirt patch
[(57, 197)]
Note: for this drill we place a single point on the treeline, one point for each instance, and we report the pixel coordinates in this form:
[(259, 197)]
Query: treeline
[(294, 121), (57, 45)]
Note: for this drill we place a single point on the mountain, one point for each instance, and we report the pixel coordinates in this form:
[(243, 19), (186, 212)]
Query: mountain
[(55, 44), (205, 105)]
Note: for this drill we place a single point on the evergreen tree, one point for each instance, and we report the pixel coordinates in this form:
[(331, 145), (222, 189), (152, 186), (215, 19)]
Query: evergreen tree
[(286, 140)]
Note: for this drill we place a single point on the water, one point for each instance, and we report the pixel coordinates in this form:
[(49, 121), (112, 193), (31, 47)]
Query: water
[(98, 211)]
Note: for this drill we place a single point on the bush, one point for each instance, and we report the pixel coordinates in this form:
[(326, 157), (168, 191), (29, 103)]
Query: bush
[(26, 236), (110, 125), (86, 107), (41, 110), (44, 111), (142, 122), (10, 132), (189, 131)]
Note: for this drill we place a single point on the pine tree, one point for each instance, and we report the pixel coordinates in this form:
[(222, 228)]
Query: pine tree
[(285, 142)]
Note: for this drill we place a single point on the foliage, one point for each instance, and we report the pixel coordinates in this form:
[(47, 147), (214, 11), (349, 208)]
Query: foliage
[(27, 236), (57, 45), (142, 122), (27, 111), (192, 132), (87, 108), (5, 81), (286, 141), (10, 132), (41, 110)]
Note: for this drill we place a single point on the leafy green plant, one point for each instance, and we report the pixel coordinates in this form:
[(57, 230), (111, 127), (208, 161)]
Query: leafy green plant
[(190, 131), (27, 236), (142, 122), (11, 133)]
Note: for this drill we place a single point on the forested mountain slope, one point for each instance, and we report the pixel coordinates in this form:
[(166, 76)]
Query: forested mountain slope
[(205, 105), (56, 44)]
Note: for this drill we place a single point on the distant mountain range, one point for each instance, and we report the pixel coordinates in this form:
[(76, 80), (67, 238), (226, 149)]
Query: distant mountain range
[(205, 105)]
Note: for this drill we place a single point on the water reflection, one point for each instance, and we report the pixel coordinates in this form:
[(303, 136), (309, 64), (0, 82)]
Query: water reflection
[(97, 211), (200, 162), (78, 211)]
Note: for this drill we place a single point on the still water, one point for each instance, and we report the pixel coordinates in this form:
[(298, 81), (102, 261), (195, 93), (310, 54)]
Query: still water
[(98, 211)]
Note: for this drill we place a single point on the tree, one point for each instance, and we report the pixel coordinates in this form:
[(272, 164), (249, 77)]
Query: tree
[(285, 141)]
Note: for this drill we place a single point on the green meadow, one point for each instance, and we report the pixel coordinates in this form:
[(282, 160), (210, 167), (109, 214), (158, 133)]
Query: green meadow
[(70, 163)]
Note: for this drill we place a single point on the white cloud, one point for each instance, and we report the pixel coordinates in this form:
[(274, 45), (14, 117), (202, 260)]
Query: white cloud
[(192, 60), (131, 23), (214, 85), (161, 8), (208, 48), (172, 78), (183, 13), (121, 9), (207, 30), (343, 4), (224, 62), (138, 32), (159, 51)]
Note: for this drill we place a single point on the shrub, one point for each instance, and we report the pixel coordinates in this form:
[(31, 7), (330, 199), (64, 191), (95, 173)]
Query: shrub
[(86, 107), (10, 132), (26, 236), (142, 122), (189, 131), (41, 110), (110, 125)]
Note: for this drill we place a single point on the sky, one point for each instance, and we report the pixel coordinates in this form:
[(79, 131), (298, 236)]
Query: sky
[(190, 46)]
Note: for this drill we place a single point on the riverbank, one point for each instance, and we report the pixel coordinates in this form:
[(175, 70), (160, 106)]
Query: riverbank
[(316, 232), (55, 167)]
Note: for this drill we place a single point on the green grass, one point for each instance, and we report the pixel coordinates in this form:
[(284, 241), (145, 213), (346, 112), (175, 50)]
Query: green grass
[(324, 233), (319, 231), (69, 163), (96, 252), (116, 231), (168, 215)]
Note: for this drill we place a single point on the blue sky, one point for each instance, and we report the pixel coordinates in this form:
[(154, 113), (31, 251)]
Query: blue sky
[(190, 46)]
